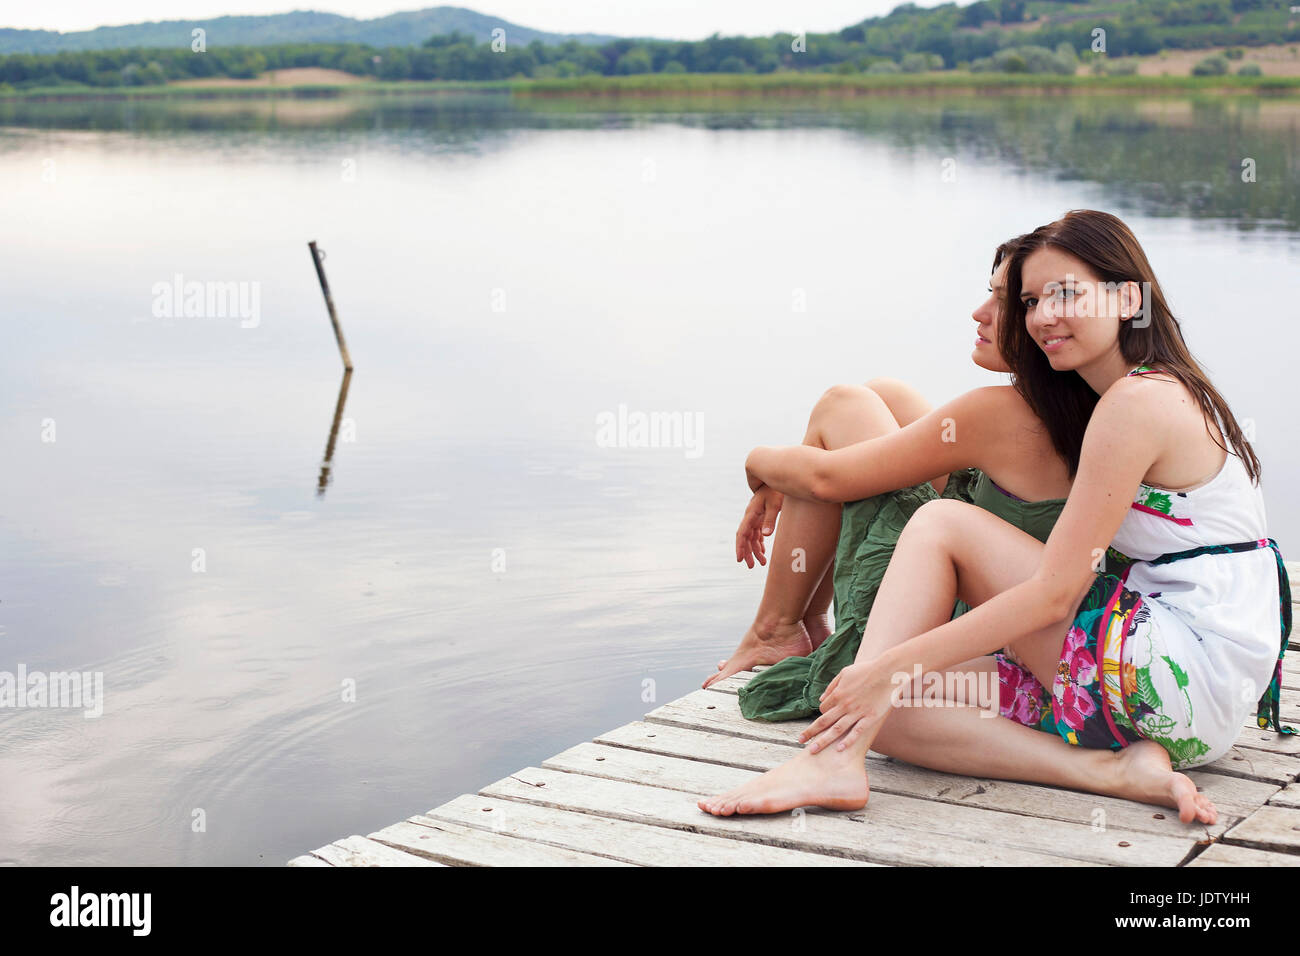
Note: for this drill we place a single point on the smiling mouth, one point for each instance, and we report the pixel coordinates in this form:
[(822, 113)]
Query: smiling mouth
[(1056, 340)]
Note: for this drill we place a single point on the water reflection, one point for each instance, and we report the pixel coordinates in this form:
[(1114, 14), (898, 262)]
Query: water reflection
[(496, 584), (1162, 156), (323, 481)]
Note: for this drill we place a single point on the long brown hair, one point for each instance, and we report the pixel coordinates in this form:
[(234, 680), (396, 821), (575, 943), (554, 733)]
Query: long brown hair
[(1005, 250), (1110, 250)]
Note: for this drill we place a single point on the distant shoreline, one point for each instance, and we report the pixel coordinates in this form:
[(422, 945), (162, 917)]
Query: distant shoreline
[(693, 85)]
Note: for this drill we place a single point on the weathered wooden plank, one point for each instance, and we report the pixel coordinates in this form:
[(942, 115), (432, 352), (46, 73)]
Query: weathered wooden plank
[(1224, 854), (359, 851), (732, 684), (1289, 796), (1289, 706), (1070, 840), (637, 843), (1235, 797), (1254, 764), (455, 845), (306, 860), (721, 713), (1269, 828), (855, 835), (1254, 738)]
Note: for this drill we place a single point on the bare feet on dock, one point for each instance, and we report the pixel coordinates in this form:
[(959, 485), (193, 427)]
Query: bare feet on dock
[(1146, 775), (770, 646), (836, 780)]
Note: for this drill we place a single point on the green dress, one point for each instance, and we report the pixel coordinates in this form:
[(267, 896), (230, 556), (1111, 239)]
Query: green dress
[(868, 533)]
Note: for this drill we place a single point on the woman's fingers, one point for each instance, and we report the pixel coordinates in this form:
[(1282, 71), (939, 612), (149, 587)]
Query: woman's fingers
[(854, 733), (745, 541), (821, 723), (832, 733), (769, 514)]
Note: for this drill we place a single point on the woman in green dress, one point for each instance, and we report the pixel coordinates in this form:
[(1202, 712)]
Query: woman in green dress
[(987, 445)]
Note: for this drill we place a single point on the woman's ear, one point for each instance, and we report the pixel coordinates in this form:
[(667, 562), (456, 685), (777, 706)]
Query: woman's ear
[(1131, 303)]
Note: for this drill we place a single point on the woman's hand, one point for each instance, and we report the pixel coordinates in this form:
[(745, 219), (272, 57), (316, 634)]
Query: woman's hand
[(854, 703), (758, 521)]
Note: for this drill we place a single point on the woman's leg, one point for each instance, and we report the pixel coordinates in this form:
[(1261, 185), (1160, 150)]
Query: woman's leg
[(798, 585), (906, 405), (951, 549)]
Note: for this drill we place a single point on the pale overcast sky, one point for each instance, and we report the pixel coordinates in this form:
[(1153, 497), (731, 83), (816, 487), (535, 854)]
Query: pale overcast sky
[(684, 19)]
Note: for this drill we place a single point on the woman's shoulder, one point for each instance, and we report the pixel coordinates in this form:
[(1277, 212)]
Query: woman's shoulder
[(1147, 391), (1154, 410), (992, 398)]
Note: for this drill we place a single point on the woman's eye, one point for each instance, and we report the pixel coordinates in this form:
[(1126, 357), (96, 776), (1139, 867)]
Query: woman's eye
[(1030, 302)]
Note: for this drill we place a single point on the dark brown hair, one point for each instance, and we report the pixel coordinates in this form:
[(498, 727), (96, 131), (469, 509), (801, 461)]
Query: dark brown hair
[(1111, 251), (1005, 250)]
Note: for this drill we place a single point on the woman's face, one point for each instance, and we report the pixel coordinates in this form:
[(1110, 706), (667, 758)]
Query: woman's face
[(986, 354), (1071, 313)]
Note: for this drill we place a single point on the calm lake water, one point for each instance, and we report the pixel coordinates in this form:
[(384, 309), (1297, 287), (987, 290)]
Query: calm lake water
[(493, 581)]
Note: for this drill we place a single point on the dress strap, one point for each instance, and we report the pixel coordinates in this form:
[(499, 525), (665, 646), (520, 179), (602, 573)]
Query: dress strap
[(1143, 370), (1269, 704)]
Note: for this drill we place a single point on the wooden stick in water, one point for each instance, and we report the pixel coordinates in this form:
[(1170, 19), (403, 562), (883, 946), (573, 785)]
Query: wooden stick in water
[(317, 257), (324, 479)]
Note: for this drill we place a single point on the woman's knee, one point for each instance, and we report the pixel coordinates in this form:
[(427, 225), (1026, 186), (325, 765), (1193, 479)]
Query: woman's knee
[(942, 517), (849, 413), (904, 402), (885, 387), (838, 396)]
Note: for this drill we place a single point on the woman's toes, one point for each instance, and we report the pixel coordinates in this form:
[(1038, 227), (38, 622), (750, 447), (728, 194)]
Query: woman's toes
[(1207, 811)]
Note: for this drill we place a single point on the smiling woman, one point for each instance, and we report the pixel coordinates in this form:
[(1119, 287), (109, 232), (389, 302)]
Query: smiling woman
[(1153, 666)]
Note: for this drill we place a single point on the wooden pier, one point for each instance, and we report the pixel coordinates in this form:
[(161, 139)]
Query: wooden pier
[(628, 798)]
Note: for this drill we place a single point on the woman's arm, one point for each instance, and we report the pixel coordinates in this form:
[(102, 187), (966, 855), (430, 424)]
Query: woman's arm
[(955, 435)]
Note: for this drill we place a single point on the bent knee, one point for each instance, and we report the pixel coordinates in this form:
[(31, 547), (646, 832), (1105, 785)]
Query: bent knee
[(882, 384), (946, 513), (937, 523), (844, 393)]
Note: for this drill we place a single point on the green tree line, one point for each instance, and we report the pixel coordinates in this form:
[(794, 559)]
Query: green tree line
[(908, 38)]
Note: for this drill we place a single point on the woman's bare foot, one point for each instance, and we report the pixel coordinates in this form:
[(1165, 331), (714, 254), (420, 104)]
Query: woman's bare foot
[(1146, 775), (836, 780), (766, 646)]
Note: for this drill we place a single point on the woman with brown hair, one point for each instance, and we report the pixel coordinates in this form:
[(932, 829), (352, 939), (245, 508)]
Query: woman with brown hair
[(1153, 666)]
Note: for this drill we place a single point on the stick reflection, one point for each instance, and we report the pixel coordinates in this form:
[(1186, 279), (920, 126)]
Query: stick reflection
[(323, 481)]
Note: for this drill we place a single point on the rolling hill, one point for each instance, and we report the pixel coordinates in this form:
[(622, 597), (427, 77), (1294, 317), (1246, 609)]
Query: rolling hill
[(304, 26)]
